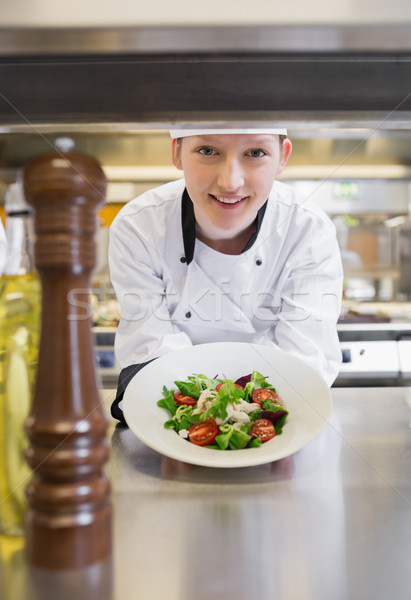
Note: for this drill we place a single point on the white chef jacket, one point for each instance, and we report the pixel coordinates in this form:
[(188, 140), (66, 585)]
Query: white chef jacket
[(174, 291)]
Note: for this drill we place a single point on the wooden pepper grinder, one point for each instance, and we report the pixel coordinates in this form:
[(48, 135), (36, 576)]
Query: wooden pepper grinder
[(68, 521)]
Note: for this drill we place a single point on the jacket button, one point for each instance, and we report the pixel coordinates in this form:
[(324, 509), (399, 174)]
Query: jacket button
[(183, 259), (258, 262), (188, 314)]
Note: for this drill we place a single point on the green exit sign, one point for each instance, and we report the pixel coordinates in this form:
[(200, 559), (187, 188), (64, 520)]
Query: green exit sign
[(347, 189)]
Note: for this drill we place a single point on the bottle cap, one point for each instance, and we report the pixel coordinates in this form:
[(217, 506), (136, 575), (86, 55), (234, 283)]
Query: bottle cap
[(15, 201)]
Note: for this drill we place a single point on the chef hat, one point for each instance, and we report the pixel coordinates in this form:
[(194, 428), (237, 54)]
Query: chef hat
[(179, 133)]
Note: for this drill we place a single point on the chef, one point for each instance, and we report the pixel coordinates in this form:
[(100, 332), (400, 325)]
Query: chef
[(226, 254)]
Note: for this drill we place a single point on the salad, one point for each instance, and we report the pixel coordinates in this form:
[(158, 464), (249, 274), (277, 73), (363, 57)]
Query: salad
[(222, 413)]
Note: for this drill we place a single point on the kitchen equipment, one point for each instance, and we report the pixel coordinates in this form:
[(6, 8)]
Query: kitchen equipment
[(375, 354), (404, 354)]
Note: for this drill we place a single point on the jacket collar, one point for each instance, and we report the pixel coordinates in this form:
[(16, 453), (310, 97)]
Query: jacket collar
[(189, 226)]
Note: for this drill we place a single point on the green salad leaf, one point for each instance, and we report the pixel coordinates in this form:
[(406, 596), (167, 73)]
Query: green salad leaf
[(182, 418), (227, 394), (168, 401), (232, 436), (256, 382), (195, 384)]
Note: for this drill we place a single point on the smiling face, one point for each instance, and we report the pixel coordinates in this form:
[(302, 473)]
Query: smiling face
[(229, 178)]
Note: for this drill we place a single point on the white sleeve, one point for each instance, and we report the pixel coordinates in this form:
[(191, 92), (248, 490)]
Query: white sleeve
[(3, 248), (145, 330), (311, 302)]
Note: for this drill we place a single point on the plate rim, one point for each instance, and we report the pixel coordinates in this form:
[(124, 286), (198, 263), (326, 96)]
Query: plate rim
[(214, 458)]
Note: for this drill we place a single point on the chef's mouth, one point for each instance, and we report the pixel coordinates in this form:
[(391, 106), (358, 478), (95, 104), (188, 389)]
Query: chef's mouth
[(229, 200)]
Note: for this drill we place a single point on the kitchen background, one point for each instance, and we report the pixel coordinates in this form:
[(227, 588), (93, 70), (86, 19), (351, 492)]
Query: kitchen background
[(361, 178), (113, 77)]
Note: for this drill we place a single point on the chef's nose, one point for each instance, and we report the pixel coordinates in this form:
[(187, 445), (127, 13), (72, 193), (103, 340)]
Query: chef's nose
[(230, 175)]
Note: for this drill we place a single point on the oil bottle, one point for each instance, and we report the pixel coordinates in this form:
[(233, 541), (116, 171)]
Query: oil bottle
[(20, 307)]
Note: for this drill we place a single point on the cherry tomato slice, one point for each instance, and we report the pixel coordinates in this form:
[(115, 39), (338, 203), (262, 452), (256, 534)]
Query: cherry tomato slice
[(264, 394), (203, 433), (240, 387), (187, 400), (263, 429)]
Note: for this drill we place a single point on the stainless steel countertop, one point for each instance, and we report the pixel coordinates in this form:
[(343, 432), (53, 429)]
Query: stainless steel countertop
[(331, 522)]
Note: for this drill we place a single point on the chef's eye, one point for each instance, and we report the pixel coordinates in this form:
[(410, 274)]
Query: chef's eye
[(207, 151), (256, 153)]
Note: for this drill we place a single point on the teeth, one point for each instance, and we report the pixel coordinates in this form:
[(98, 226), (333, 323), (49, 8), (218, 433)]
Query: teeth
[(225, 200)]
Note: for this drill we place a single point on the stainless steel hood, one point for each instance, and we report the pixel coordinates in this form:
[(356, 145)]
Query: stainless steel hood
[(252, 39), (153, 77), (342, 90)]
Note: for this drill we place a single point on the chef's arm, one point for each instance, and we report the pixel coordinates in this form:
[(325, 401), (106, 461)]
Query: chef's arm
[(311, 305), (145, 330), (126, 375)]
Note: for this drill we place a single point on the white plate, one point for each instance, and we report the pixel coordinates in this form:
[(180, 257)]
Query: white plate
[(305, 394)]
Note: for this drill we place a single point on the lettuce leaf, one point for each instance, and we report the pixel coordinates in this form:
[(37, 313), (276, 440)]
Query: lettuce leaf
[(235, 438), (168, 401), (256, 382), (195, 384)]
